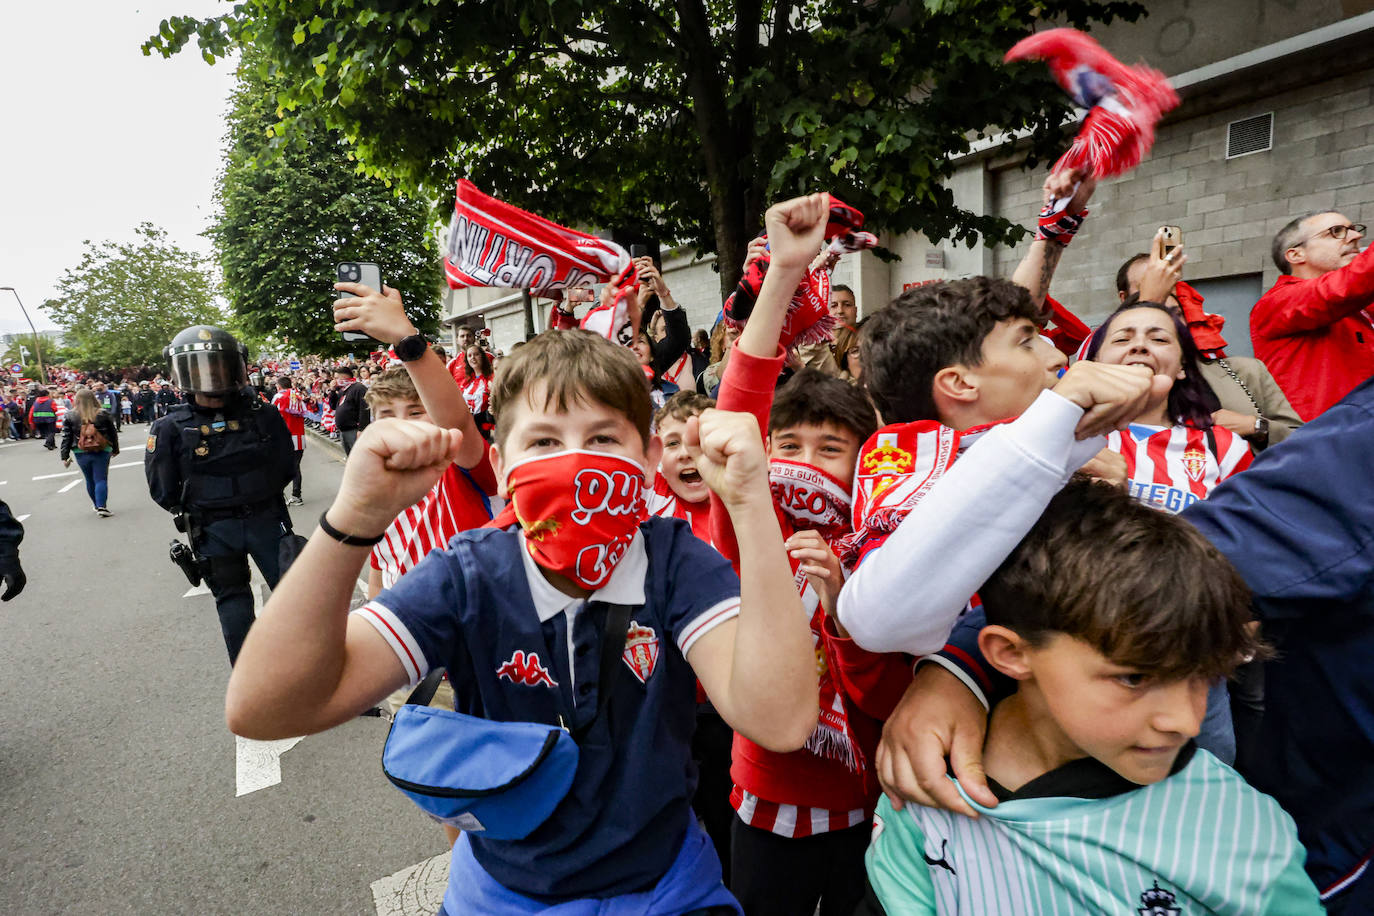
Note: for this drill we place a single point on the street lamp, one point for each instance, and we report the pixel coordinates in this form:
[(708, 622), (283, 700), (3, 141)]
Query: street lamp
[(36, 348)]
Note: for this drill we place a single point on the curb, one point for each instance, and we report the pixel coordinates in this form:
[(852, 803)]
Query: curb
[(320, 439)]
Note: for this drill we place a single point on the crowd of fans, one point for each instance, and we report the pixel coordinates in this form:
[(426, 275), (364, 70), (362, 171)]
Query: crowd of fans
[(970, 577), (965, 557)]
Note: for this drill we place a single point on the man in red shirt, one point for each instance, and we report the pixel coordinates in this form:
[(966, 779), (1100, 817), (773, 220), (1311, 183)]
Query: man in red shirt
[(458, 366), (1313, 328), (291, 406)]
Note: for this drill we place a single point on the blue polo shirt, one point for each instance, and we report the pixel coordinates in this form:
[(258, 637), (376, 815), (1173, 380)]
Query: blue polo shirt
[(518, 650)]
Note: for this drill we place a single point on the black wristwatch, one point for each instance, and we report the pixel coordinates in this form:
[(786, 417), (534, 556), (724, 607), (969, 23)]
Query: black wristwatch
[(409, 349)]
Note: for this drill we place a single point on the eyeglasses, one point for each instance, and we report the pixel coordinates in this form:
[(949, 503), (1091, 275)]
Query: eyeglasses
[(1336, 232)]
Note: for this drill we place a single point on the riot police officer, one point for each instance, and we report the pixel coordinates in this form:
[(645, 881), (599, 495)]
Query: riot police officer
[(218, 463)]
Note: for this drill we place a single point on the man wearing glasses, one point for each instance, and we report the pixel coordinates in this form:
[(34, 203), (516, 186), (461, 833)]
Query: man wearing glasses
[(1314, 328)]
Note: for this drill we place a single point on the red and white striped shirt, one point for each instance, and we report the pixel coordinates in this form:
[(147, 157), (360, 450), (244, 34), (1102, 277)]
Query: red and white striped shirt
[(477, 394), (791, 820), (1170, 468), (292, 410), (453, 504)]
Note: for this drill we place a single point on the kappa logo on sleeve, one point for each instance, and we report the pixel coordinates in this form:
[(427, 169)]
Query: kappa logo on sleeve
[(526, 669)]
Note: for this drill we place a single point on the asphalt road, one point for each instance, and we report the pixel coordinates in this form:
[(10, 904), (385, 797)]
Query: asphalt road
[(118, 778)]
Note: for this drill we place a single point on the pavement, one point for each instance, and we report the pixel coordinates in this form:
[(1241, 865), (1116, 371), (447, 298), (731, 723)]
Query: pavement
[(121, 790)]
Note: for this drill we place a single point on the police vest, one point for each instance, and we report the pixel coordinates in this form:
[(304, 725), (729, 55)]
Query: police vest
[(226, 459)]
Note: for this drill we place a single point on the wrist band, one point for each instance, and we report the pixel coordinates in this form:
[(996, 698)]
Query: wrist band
[(351, 540), (1058, 227)]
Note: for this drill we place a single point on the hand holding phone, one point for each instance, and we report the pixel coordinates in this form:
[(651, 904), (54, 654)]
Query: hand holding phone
[(369, 313)]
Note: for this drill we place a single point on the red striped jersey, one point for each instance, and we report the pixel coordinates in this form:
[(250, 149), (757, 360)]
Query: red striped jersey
[(1171, 468), (292, 410), (60, 408), (477, 394), (455, 503), (791, 820)]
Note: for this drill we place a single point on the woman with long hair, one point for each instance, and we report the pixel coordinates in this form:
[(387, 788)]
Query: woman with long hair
[(89, 434), (1175, 455), (477, 388)]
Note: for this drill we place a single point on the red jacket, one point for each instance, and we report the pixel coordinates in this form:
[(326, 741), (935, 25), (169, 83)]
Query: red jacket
[(1312, 335)]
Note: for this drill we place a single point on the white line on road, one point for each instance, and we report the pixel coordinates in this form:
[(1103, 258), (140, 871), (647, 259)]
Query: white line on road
[(257, 764), (201, 589), (21, 518), (3, 482), (414, 891), (51, 476), (70, 485), (362, 587), (127, 464)]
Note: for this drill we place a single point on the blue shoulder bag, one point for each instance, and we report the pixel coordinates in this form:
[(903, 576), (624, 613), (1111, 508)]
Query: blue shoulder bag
[(500, 779)]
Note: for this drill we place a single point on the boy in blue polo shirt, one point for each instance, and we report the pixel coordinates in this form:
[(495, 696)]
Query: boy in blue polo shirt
[(515, 614)]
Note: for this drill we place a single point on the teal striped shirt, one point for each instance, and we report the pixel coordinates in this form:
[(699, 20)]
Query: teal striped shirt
[(1200, 841)]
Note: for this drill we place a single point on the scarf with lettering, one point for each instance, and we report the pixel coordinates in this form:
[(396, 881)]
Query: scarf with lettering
[(808, 318), (1124, 102), (494, 244)]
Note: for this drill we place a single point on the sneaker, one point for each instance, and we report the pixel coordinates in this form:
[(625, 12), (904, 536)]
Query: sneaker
[(295, 501), (103, 512)]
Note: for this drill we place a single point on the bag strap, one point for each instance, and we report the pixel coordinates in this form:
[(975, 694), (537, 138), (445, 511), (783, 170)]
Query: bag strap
[(425, 690), (617, 621)]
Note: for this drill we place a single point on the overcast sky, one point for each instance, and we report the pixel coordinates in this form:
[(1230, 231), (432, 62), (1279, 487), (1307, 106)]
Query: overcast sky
[(97, 138)]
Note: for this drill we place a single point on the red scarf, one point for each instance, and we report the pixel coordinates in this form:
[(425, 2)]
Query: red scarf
[(898, 465), (1125, 103), (1205, 327), (491, 243), (808, 318), (808, 498), (579, 511)]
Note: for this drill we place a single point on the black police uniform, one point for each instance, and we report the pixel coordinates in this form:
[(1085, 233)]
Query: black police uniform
[(225, 468)]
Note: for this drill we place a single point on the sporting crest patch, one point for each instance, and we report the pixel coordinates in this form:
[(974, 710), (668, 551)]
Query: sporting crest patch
[(641, 651), (1194, 463)]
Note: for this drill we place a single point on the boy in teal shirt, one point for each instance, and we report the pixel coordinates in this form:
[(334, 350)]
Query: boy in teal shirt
[(1105, 805)]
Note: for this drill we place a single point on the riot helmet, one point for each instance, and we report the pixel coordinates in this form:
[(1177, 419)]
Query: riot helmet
[(207, 360)]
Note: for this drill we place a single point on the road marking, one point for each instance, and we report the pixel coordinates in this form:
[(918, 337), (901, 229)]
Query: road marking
[(21, 518), (257, 764), (70, 485), (127, 464), (414, 891), (362, 587), (3, 482), (51, 476), (201, 589)]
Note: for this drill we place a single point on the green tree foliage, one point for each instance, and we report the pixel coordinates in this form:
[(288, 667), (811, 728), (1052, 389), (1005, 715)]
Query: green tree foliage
[(125, 301), (289, 212), (679, 119)]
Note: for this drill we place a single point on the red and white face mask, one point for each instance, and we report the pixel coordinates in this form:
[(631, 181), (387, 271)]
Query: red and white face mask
[(579, 511), (809, 497)]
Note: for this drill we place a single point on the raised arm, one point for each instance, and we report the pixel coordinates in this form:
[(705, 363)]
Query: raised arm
[(758, 669), (306, 666), (1037, 268), (382, 316), (1313, 304)]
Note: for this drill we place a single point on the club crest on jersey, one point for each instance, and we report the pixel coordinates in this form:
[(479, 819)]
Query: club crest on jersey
[(887, 462), (526, 669), (1158, 902), (641, 651), (1194, 462)]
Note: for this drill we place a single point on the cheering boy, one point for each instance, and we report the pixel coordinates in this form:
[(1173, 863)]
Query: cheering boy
[(1113, 620), (516, 616), (801, 823)]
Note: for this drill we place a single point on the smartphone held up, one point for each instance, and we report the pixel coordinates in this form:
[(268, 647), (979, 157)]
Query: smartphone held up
[(368, 274)]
